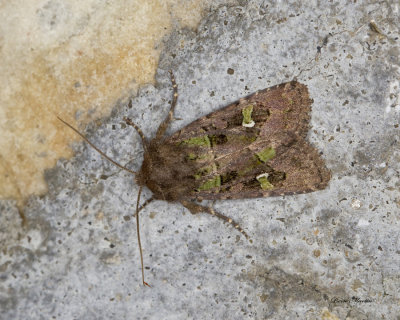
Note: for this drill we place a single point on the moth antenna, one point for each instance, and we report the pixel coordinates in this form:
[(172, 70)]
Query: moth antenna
[(164, 125), (138, 236), (138, 130), (95, 148)]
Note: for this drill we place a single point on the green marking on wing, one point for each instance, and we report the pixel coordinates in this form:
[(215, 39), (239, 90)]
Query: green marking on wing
[(191, 156), (202, 141), (263, 180), (211, 141), (246, 138), (215, 182), (247, 120), (259, 159), (266, 154)]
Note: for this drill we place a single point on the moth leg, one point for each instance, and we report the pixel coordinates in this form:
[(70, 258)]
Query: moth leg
[(144, 205), (164, 125), (138, 130), (195, 208)]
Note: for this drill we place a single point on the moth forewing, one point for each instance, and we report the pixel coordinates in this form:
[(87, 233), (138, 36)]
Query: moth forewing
[(254, 147)]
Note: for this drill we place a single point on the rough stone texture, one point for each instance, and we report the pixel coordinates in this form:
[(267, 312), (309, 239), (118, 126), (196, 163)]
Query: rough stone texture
[(333, 254)]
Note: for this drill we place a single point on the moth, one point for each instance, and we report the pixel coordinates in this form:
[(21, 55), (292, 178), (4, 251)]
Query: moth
[(254, 147)]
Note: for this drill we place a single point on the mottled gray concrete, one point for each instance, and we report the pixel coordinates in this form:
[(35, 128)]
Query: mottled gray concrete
[(311, 254)]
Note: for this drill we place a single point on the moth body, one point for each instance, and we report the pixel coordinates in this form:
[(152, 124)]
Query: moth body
[(254, 147)]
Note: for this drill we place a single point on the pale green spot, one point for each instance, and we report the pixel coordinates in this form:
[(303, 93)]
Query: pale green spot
[(247, 139), (211, 184), (247, 120), (202, 141), (266, 154), (192, 156), (263, 180)]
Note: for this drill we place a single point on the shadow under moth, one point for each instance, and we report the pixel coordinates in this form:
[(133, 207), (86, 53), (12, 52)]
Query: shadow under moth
[(254, 147)]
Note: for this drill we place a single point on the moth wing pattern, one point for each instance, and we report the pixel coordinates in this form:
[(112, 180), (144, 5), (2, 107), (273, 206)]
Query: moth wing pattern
[(254, 147)]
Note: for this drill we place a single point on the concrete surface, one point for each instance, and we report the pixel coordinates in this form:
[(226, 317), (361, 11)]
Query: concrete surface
[(332, 254)]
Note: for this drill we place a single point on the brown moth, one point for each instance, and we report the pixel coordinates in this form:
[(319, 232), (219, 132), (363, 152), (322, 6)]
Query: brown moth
[(254, 147)]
